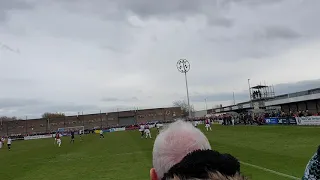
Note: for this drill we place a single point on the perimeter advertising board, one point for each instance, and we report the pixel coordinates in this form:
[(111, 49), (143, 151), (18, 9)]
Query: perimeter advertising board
[(38, 137), (309, 120), (271, 120)]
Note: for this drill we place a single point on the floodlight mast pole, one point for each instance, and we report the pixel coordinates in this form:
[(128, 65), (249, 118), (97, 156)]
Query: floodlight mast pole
[(250, 93), (183, 66)]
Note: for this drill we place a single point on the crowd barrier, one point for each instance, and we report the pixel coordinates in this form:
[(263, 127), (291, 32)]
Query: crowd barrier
[(281, 120)]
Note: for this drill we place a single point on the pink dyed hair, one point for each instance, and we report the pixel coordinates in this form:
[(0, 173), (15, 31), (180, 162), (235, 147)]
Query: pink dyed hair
[(174, 143)]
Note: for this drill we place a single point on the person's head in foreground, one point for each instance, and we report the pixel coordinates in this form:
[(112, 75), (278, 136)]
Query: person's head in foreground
[(183, 152), (313, 167)]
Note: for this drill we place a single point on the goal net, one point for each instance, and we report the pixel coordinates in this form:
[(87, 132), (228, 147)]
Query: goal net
[(76, 129)]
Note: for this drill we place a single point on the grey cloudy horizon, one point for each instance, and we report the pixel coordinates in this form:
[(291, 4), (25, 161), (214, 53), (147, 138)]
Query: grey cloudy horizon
[(73, 56)]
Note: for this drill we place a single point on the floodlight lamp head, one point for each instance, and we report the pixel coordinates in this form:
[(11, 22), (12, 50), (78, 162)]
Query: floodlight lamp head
[(183, 65)]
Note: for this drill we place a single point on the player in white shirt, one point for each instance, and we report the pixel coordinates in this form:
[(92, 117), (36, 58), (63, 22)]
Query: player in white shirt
[(158, 127), (208, 124), (80, 134), (101, 134), (55, 139), (9, 142), (147, 131), (1, 142), (141, 129)]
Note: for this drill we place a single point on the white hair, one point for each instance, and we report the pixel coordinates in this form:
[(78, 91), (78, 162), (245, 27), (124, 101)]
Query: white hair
[(174, 143)]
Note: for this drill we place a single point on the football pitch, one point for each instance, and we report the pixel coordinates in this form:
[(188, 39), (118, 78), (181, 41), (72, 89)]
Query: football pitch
[(266, 152)]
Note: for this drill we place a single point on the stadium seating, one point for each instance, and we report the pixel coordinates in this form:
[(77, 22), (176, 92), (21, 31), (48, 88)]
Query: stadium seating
[(36, 126), (93, 121), (89, 121)]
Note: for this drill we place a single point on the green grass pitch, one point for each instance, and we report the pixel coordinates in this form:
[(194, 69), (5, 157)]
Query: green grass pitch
[(124, 155)]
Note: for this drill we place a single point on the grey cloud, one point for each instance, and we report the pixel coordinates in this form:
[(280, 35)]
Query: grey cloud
[(253, 2), (134, 98), (145, 8), (179, 9), (11, 81), (266, 42), (278, 32), (35, 108), (298, 86), (114, 49), (8, 48), (78, 58), (266, 33), (16, 103), (219, 97), (220, 39), (69, 108), (166, 9), (244, 95), (221, 21), (9, 5), (112, 99)]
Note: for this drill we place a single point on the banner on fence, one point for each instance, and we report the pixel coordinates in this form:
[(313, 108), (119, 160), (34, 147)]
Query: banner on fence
[(287, 121), (309, 120), (283, 121), (38, 137), (292, 120), (271, 120), (117, 129)]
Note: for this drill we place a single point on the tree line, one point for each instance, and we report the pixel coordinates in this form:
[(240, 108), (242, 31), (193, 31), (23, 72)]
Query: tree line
[(184, 107), (46, 115)]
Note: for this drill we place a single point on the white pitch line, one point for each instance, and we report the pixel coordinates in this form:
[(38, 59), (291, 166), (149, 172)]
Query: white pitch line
[(270, 171)]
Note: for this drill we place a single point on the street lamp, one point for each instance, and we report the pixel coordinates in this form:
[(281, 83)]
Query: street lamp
[(183, 66)]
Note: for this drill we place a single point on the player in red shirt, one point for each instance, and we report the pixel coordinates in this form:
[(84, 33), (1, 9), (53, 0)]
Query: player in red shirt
[(58, 138), (147, 131), (208, 124)]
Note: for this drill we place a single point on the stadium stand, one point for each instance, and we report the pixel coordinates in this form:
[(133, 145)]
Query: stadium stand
[(162, 114), (93, 121), (56, 123), (71, 121), (112, 119), (36, 126), (89, 121)]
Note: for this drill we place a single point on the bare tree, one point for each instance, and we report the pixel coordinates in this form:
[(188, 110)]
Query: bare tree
[(5, 118), (47, 115), (184, 107)]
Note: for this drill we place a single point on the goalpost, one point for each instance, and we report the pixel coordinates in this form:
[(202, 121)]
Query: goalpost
[(76, 129)]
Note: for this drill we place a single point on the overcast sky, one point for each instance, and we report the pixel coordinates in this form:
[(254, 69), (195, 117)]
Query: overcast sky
[(80, 55)]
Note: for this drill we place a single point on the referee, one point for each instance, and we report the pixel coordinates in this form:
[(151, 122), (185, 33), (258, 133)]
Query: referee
[(72, 137)]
